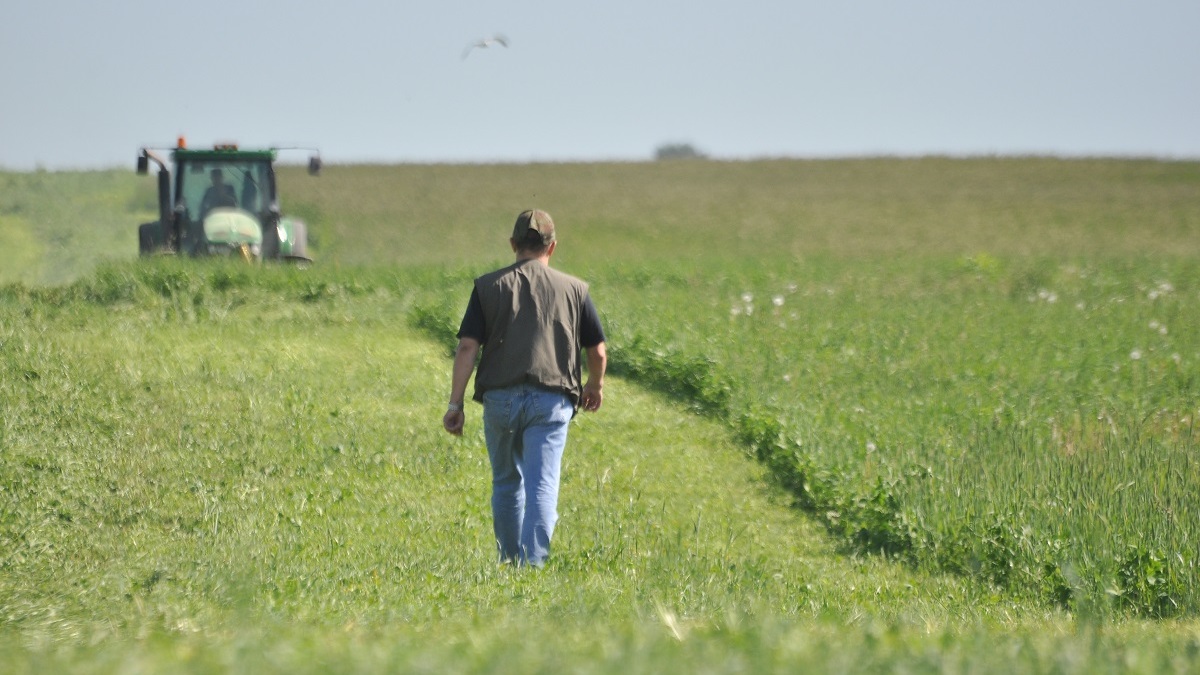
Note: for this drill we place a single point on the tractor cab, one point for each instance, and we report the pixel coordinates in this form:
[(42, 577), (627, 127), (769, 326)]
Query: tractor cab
[(222, 201)]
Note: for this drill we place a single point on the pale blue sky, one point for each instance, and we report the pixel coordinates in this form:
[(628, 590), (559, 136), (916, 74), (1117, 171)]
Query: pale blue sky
[(84, 84)]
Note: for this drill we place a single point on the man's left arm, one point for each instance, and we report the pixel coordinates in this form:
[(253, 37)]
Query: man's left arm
[(591, 334)]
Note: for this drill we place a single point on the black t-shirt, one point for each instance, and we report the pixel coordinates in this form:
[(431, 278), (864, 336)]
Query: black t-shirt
[(590, 331)]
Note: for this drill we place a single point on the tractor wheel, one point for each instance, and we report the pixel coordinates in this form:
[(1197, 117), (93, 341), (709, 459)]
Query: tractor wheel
[(298, 252), (150, 238)]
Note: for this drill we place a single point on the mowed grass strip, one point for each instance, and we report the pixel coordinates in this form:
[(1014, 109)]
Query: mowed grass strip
[(282, 460)]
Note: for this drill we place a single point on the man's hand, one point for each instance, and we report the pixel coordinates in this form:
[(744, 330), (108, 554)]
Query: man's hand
[(593, 396), (453, 421)]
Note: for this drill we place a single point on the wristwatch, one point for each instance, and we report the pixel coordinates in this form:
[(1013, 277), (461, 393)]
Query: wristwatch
[(455, 407)]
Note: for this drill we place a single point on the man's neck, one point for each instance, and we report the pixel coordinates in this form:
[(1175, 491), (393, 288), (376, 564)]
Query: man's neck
[(544, 259)]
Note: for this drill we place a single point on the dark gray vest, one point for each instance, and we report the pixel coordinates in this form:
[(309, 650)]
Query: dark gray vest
[(531, 319)]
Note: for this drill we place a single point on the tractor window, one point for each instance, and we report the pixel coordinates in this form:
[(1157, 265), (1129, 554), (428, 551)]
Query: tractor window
[(209, 185)]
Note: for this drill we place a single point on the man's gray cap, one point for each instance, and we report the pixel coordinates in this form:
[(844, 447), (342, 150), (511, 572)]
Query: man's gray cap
[(536, 220)]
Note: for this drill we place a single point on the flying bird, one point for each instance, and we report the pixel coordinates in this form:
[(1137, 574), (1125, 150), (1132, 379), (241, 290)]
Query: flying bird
[(485, 43)]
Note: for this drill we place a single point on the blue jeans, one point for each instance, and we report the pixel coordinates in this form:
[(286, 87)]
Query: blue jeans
[(526, 432)]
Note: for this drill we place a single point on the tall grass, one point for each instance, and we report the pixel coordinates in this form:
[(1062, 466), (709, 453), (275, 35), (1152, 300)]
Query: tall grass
[(1039, 440)]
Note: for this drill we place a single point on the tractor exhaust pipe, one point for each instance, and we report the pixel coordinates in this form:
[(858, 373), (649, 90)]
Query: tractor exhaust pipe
[(165, 213)]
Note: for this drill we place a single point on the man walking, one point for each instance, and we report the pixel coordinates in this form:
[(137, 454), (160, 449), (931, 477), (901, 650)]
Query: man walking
[(531, 323)]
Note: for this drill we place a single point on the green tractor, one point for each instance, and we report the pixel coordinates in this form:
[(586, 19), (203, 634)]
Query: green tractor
[(222, 201)]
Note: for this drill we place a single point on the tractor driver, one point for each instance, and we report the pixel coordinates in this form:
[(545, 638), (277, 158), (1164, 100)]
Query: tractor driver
[(220, 194)]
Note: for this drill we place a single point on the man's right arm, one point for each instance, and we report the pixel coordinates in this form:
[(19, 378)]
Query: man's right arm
[(464, 365)]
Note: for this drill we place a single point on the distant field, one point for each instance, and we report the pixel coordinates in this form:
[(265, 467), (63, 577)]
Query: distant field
[(689, 211), (698, 211), (976, 379), (56, 227)]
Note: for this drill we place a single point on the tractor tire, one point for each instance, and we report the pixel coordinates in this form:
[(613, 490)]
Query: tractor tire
[(298, 251), (150, 238)]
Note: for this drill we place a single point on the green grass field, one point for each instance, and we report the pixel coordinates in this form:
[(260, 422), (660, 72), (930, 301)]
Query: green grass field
[(866, 415)]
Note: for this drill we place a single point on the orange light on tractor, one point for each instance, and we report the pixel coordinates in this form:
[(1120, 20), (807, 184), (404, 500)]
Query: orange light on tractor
[(182, 142)]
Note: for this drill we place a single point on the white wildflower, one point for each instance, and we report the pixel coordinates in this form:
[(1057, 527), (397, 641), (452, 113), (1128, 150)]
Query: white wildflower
[(1163, 288), (870, 446), (777, 301), (747, 298), (1135, 354)]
